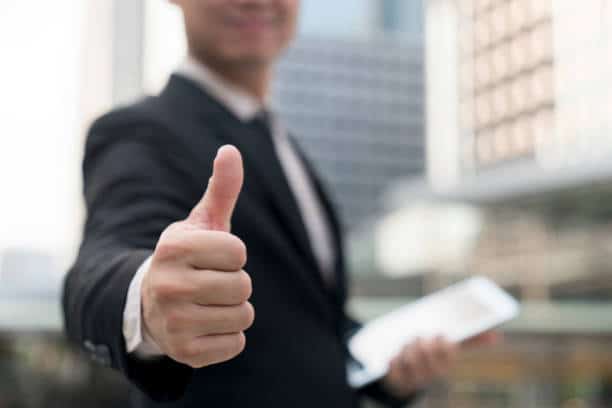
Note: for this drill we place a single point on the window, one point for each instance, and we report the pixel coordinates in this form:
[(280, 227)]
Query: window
[(40, 134)]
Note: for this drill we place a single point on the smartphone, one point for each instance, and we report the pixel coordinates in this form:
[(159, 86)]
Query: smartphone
[(458, 313)]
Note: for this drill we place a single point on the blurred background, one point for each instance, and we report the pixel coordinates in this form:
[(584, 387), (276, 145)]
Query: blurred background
[(459, 137)]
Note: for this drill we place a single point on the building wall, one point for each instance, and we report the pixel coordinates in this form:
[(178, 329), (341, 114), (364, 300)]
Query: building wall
[(516, 81), (583, 84), (443, 159)]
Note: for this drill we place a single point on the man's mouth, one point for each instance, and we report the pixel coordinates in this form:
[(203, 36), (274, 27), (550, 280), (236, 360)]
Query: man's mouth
[(254, 22)]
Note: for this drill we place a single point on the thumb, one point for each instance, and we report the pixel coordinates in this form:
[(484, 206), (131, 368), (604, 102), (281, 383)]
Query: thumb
[(214, 211)]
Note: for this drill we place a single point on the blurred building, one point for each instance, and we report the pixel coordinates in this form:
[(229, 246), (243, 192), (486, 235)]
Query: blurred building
[(519, 92), (26, 273), (506, 68), (362, 18), (519, 124), (356, 106), (518, 188)]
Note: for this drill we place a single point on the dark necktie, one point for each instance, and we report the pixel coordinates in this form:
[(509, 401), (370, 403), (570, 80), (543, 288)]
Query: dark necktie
[(267, 153), (262, 123)]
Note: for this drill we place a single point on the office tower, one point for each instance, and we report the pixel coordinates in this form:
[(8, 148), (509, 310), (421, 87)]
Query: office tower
[(353, 97), (519, 108), (506, 79), (401, 17), (516, 83)]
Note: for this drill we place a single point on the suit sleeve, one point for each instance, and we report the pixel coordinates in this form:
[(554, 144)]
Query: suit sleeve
[(134, 187), (376, 390)]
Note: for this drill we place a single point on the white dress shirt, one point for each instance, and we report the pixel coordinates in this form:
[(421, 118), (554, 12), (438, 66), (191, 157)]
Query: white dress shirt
[(245, 107)]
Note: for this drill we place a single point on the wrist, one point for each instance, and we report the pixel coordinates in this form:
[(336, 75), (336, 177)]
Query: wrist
[(149, 345)]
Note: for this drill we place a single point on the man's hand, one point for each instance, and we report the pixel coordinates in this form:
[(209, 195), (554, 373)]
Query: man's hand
[(194, 296), (422, 362)]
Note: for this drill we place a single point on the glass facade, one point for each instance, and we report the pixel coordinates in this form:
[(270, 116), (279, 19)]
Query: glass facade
[(348, 18), (506, 79), (362, 18), (511, 144), (355, 99)]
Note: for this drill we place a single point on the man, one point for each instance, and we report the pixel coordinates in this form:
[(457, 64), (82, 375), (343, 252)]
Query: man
[(162, 283)]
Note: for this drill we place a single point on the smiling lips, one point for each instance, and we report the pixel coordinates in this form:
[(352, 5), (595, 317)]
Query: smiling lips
[(253, 23)]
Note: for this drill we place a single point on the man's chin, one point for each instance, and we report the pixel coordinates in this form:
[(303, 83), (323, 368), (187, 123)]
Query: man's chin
[(256, 58)]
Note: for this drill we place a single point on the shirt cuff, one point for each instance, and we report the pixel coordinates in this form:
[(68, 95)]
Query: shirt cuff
[(137, 340)]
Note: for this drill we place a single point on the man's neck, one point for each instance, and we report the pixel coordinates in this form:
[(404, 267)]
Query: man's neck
[(253, 79)]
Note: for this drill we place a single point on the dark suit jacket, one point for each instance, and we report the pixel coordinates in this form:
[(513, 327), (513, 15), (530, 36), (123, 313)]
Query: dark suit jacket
[(145, 167)]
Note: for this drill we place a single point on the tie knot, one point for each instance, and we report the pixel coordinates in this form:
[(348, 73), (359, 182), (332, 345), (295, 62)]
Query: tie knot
[(262, 121)]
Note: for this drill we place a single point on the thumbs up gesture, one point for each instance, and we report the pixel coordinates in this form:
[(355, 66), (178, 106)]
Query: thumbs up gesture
[(195, 293)]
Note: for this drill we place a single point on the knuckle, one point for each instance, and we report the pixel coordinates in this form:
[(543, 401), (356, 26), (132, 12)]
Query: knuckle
[(238, 343), (196, 357), (166, 292), (198, 354), (237, 252), (192, 351), (160, 291), (241, 253), (177, 351), (174, 322), (191, 354), (170, 248), (248, 316), (185, 357), (244, 286)]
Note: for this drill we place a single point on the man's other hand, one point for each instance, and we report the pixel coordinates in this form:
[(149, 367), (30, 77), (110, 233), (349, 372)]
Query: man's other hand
[(424, 361)]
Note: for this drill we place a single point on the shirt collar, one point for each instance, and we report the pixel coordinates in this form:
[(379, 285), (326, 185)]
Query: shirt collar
[(237, 101)]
